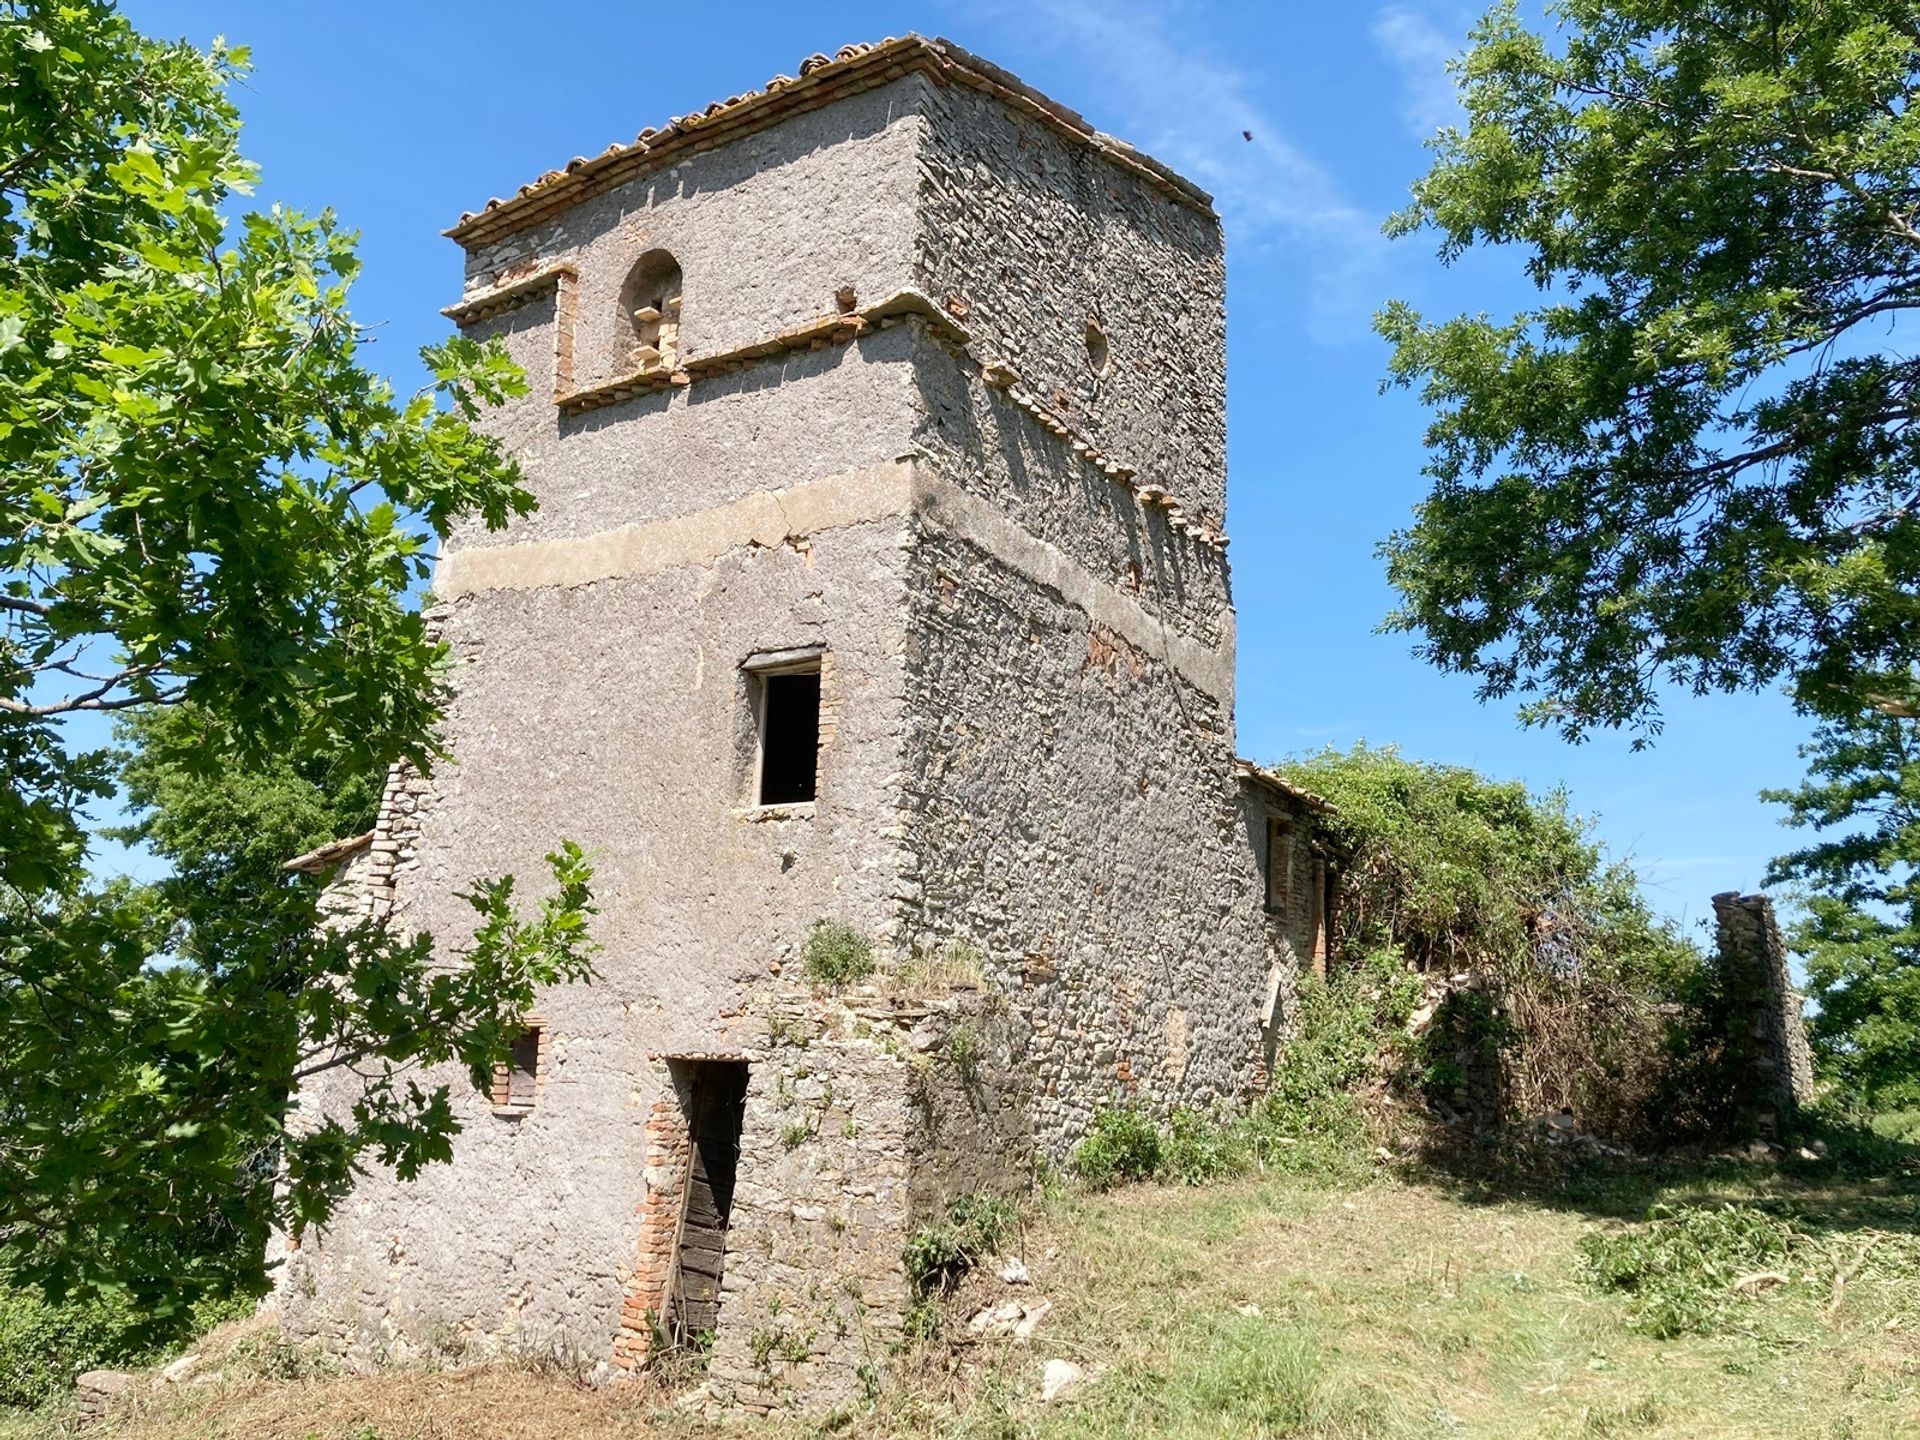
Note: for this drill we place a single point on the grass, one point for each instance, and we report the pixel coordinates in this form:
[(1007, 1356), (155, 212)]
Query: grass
[(1415, 1304)]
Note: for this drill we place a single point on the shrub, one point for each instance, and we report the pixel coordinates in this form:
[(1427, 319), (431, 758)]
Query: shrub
[(1197, 1148), (1583, 997), (939, 1255), (836, 954), (963, 1049), (44, 1344), (1121, 1144)]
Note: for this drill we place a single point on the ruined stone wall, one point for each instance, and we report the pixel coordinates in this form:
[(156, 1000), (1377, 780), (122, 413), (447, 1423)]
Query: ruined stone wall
[(782, 423), (1090, 845), (978, 440), (1040, 238), (1772, 1066), (1294, 943), (867, 1114), (767, 232), (1026, 733), (1072, 805), (765, 228)]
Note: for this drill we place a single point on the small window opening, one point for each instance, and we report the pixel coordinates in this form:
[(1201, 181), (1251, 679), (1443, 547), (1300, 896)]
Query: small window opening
[(789, 704), (516, 1080), (650, 310), (1097, 355), (1280, 869), (715, 1095)]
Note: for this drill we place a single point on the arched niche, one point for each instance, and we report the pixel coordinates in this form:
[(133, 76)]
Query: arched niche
[(647, 330)]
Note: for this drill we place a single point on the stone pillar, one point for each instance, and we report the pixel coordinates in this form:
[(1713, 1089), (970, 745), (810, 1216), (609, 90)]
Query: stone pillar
[(1766, 1036)]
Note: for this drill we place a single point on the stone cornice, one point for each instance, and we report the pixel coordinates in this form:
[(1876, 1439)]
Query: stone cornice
[(815, 334), (522, 290), (839, 328), (822, 80)]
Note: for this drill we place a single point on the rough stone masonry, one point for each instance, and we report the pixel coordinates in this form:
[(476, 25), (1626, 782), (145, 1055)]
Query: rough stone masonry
[(879, 578)]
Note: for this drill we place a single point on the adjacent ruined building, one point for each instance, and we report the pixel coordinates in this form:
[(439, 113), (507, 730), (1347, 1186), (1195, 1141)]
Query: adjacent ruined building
[(879, 578)]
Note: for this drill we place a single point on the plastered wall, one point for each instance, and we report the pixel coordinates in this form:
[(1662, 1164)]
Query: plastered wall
[(1027, 735)]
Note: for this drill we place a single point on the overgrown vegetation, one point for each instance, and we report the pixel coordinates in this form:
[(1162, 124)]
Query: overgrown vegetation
[(1121, 1144), (1691, 465), (937, 1256), (1545, 981), (44, 1344), (1311, 1120), (836, 955), (1391, 1309), (214, 519)]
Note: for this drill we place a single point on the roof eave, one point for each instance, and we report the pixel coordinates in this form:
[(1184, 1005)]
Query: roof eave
[(582, 176)]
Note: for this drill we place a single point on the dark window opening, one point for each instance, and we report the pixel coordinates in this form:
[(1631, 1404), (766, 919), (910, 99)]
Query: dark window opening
[(715, 1095), (789, 736), (1322, 914), (515, 1080), (1097, 353)]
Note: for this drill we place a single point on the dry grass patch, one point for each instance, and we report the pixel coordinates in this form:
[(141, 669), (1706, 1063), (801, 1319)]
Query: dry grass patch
[(1266, 1307)]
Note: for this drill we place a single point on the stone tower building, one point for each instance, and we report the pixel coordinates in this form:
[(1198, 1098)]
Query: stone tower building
[(879, 578)]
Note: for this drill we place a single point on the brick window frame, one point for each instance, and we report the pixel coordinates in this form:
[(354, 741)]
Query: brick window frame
[(1278, 900), (517, 1086)]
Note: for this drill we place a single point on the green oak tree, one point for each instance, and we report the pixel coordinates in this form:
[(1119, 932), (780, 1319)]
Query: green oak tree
[(212, 516), (1693, 462), (1860, 934)]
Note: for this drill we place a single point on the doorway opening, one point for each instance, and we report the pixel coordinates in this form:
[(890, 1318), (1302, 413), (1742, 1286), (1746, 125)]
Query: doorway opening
[(713, 1096)]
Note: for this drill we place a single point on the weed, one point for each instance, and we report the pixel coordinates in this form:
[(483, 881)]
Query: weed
[(1121, 1144), (938, 1255), (788, 1030), (795, 1345), (963, 1049), (1196, 1149), (1682, 1270), (272, 1354), (836, 955), (795, 1135), (922, 1320), (956, 965)]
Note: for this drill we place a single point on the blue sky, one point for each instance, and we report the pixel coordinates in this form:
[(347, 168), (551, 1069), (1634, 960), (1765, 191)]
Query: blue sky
[(402, 115)]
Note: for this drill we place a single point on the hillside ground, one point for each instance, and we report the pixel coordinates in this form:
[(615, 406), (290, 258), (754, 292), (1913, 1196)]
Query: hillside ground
[(1408, 1303)]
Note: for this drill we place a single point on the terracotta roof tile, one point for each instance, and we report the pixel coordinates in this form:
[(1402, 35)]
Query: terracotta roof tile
[(1273, 780)]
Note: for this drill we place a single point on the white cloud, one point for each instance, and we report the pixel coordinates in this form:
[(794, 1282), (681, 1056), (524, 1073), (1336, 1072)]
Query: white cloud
[(1419, 47), (1194, 111)]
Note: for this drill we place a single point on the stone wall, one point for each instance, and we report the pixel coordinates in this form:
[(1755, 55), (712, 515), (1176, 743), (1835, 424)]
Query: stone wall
[(586, 713), (1071, 810), (1772, 1067), (766, 231), (1042, 238), (995, 509), (866, 1115)]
